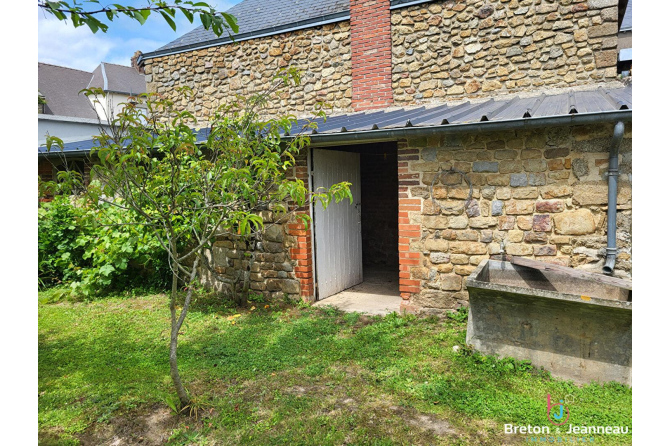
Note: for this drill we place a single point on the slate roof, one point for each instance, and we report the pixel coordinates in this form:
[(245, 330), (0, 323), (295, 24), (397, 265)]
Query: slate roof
[(118, 79), (513, 112), (256, 15), (257, 18), (60, 86)]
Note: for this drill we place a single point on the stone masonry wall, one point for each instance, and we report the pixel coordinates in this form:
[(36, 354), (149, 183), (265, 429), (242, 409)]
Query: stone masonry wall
[(541, 194), (476, 48), (450, 49), (216, 74), (283, 266)]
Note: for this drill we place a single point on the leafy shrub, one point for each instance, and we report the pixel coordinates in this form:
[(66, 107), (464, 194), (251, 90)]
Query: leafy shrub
[(58, 231), (93, 252)]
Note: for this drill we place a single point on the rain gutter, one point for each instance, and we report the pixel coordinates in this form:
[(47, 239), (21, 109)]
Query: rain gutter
[(613, 176)]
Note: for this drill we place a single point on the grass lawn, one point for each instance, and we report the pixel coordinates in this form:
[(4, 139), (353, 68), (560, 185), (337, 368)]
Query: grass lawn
[(295, 376)]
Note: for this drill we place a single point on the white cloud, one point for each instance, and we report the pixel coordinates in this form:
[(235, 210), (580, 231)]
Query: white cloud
[(61, 43)]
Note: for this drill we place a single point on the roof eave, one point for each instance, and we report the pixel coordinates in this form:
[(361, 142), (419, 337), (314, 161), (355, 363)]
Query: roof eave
[(295, 26), (394, 134)]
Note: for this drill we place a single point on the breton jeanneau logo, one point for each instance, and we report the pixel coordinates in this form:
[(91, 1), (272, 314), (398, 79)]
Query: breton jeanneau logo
[(558, 413)]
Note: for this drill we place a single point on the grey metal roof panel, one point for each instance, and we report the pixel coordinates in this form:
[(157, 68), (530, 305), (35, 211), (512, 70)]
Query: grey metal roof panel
[(385, 119), (508, 110), (553, 106), (474, 113), (592, 101), (625, 95), (417, 117), (77, 147), (60, 86), (579, 102), (517, 109)]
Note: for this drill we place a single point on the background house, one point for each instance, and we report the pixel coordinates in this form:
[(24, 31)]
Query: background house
[(72, 116), (518, 99)]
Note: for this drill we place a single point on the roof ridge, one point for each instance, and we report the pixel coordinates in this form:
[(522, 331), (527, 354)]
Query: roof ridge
[(61, 66), (118, 65)]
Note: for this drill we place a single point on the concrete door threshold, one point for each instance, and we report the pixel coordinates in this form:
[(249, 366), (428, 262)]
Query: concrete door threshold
[(377, 294)]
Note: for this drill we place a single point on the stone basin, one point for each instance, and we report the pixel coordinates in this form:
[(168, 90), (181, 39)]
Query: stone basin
[(576, 325)]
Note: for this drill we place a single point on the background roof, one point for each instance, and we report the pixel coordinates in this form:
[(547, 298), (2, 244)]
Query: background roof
[(118, 78), (60, 86)]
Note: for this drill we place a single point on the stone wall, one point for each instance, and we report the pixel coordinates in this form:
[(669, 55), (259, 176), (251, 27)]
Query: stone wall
[(272, 273), (216, 74), (283, 256), (539, 194), (456, 48), (450, 49)]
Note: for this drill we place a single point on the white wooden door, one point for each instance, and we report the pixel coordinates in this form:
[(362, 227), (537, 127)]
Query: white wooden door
[(338, 245)]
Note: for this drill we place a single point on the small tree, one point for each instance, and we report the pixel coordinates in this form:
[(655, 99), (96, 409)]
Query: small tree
[(191, 192)]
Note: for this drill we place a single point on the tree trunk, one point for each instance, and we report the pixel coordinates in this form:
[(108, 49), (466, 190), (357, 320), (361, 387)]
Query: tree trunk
[(174, 334), (176, 326)]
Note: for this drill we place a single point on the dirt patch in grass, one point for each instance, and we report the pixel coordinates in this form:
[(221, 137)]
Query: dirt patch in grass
[(151, 427)]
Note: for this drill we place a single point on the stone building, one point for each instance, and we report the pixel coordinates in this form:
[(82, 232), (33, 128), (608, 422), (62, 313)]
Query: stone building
[(467, 128)]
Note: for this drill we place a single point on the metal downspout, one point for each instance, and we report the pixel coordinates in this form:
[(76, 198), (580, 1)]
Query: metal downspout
[(613, 176)]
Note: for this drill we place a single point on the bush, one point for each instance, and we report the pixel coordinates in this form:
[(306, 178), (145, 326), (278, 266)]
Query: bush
[(59, 228), (93, 252)]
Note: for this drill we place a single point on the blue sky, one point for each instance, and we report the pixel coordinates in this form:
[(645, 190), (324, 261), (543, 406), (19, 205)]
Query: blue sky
[(59, 43)]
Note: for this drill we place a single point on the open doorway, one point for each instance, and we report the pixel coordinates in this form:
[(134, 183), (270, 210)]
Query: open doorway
[(356, 245)]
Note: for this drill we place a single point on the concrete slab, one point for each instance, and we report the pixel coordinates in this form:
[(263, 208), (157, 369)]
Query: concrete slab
[(377, 294), (577, 328)]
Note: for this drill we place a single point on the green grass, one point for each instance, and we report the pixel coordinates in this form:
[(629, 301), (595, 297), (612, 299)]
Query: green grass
[(290, 376)]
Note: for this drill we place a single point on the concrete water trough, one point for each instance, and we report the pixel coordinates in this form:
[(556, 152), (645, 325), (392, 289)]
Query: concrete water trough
[(575, 324)]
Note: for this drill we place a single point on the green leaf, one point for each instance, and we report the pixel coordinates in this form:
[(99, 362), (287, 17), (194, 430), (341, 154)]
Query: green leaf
[(92, 23), (188, 14), (141, 16), (206, 20), (232, 22), (169, 20)]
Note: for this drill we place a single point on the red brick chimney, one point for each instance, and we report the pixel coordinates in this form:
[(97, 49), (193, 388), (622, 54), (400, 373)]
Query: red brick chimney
[(371, 62)]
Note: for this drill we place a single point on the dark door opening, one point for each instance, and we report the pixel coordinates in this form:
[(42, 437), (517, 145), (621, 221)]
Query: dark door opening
[(377, 210), (379, 214)]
